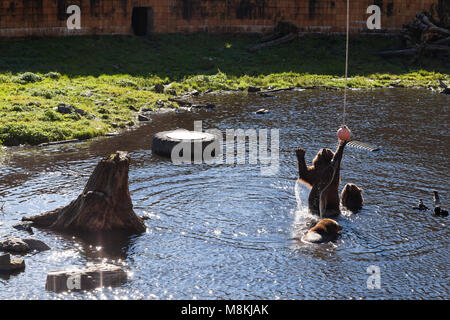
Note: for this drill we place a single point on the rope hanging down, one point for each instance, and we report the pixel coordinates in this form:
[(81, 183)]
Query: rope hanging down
[(346, 62)]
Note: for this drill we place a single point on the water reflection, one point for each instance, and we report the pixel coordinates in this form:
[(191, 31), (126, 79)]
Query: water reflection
[(222, 231)]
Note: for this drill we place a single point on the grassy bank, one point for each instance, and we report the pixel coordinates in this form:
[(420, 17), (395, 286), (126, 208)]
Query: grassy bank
[(105, 80)]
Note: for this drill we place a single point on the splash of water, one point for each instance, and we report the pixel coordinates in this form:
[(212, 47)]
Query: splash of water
[(303, 217)]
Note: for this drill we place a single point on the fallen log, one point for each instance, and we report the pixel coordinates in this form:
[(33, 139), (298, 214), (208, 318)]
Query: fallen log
[(432, 26), (181, 102), (396, 53), (104, 205), (190, 104), (443, 41), (277, 90), (276, 42), (270, 37), (46, 144), (433, 47), (422, 35), (414, 51)]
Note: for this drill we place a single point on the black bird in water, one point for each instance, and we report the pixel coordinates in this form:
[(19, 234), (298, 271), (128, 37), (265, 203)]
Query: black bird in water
[(421, 206)]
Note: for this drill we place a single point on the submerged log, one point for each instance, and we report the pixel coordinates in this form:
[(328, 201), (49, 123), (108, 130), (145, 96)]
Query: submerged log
[(104, 205)]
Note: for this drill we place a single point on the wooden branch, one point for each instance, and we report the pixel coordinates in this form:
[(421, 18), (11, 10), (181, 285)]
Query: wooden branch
[(276, 90), (181, 102), (190, 104), (443, 41), (432, 47), (270, 37), (413, 51), (433, 27), (402, 52), (273, 43), (442, 84)]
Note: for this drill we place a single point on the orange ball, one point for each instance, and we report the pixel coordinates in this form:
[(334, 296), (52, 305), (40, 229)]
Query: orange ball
[(344, 133)]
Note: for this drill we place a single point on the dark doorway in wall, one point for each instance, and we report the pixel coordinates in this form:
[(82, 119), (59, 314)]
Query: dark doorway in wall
[(142, 20)]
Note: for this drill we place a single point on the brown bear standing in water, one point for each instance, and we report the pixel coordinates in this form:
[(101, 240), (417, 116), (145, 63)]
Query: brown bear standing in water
[(323, 177), (351, 197), (325, 230)]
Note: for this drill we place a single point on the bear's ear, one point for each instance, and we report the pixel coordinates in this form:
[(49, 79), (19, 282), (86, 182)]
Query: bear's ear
[(336, 226)]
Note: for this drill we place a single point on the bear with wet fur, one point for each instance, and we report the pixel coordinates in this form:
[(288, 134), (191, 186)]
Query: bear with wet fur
[(324, 231), (323, 177), (351, 197)]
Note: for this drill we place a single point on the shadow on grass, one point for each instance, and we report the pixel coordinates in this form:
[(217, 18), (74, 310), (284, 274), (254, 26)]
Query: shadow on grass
[(176, 56)]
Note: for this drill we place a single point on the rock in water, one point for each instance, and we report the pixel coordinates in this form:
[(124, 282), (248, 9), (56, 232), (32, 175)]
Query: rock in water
[(104, 205), (18, 245), (5, 259), (24, 226), (36, 245), (8, 265), (261, 111), (253, 89), (14, 245), (104, 275)]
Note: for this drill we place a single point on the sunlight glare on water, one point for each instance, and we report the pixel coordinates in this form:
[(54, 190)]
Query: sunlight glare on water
[(228, 232)]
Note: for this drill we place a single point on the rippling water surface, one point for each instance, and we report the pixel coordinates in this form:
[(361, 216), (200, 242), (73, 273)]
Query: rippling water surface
[(226, 231)]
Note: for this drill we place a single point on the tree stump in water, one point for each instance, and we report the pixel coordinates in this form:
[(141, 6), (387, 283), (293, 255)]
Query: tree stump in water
[(104, 205)]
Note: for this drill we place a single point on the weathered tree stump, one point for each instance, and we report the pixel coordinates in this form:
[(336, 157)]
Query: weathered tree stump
[(105, 204), (104, 275)]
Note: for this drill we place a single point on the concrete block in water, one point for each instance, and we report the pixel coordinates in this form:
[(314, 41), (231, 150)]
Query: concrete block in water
[(104, 275)]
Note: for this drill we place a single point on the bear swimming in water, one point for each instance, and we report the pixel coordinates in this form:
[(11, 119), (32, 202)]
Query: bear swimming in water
[(324, 231), (351, 197)]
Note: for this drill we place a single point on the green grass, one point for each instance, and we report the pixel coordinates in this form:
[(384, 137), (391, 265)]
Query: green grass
[(110, 77)]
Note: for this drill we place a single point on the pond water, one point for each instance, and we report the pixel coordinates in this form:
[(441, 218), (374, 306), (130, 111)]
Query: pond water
[(227, 231)]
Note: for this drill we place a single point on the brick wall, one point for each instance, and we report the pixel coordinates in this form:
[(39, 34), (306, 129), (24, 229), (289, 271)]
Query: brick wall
[(48, 17)]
